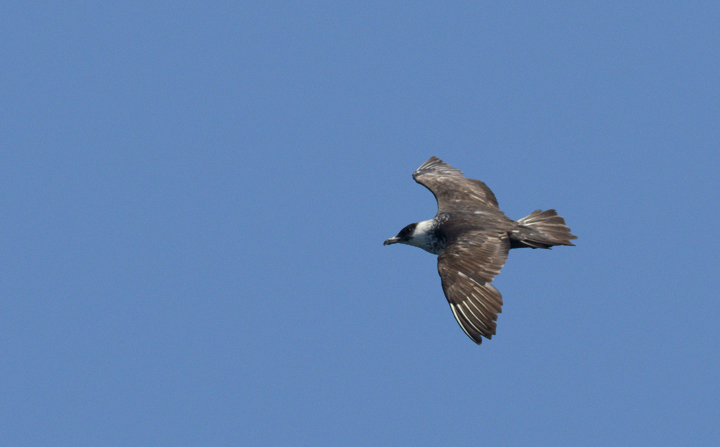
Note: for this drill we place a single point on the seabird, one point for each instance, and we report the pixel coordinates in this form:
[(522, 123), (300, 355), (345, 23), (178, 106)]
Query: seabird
[(472, 237)]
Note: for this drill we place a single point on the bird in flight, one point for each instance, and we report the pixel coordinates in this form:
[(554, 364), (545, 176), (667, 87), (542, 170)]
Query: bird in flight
[(472, 238)]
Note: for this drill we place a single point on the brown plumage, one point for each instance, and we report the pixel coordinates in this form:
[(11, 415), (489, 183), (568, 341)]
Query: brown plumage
[(472, 238)]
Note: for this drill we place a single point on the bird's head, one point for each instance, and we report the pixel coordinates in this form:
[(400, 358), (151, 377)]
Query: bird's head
[(405, 236)]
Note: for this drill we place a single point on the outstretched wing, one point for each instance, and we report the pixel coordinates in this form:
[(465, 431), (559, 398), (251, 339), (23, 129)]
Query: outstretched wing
[(453, 191), (467, 267)]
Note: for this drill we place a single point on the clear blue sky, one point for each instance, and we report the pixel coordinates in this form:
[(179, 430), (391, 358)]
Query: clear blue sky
[(195, 195)]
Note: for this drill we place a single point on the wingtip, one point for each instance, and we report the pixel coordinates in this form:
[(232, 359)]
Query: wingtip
[(438, 166)]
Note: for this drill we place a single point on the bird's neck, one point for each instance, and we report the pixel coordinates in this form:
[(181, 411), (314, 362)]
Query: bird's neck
[(425, 237)]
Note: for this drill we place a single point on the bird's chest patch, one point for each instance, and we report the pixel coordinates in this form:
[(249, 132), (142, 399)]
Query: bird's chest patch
[(427, 238), (434, 244)]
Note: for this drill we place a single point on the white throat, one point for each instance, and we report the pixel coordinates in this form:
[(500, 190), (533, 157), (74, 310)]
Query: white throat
[(424, 237)]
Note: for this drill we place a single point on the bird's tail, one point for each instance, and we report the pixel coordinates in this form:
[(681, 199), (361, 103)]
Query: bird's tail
[(544, 229)]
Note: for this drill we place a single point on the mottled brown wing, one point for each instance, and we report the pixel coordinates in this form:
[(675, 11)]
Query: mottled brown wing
[(467, 267), (453, 191)]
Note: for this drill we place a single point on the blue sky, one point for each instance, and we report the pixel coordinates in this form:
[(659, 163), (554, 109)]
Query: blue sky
[(195, 195)]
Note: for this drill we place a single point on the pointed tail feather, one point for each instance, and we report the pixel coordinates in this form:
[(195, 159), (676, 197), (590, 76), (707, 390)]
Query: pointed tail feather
[(544, 229)]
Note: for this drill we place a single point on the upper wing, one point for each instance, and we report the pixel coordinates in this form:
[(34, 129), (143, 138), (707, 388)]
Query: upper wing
[(467, 267), (451, 189)]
